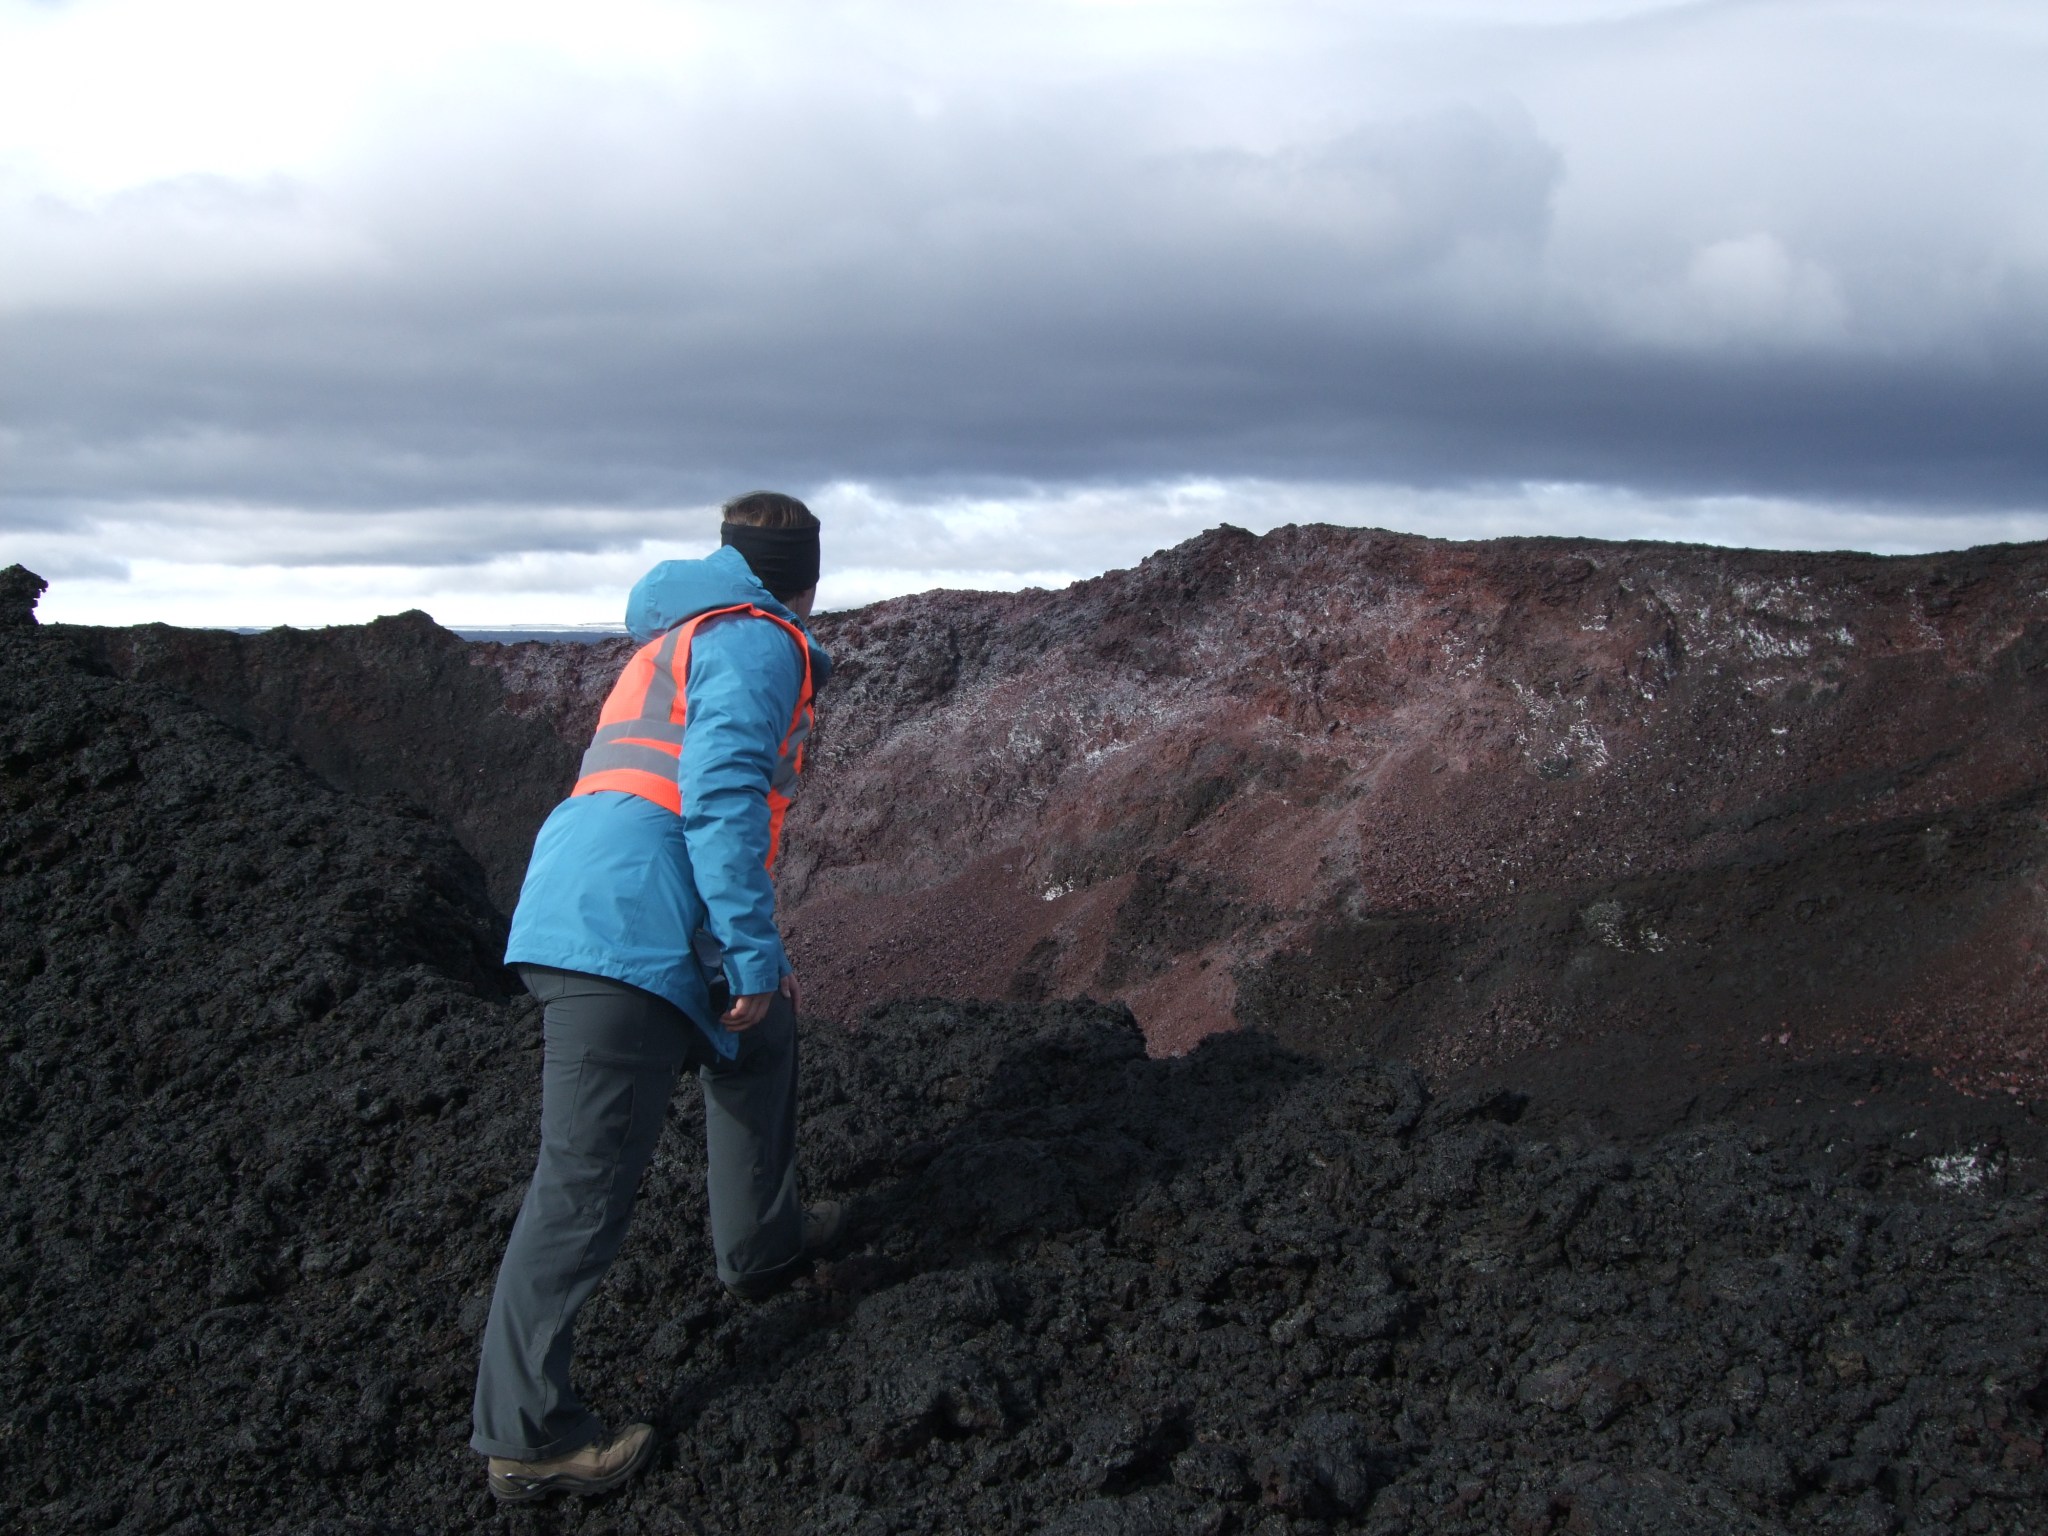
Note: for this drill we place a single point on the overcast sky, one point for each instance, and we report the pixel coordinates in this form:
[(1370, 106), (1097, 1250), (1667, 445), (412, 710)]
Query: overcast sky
[(314, 311)]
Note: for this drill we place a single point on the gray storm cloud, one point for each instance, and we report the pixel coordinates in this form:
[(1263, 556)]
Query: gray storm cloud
[(1710, 249)]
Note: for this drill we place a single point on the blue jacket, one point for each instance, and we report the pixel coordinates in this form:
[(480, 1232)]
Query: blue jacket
[(620, 887)]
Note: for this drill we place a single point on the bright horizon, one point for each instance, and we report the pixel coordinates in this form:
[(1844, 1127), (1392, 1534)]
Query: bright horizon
[(216, 598)]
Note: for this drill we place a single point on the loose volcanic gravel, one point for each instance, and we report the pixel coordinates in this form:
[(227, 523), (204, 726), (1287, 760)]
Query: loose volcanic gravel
[(266, 1115)]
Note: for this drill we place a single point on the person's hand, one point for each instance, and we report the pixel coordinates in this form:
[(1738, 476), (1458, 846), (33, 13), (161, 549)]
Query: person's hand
[(747, 1011), (750, 1010)]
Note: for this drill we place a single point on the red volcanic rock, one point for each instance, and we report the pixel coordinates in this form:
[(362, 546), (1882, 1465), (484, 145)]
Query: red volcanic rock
[(1455, 801)]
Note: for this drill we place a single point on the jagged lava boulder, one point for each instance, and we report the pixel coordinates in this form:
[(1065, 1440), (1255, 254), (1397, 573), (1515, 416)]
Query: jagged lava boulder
[(20, 590)]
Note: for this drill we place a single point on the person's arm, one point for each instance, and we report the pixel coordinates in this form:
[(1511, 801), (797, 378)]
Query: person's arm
[(745, 676)]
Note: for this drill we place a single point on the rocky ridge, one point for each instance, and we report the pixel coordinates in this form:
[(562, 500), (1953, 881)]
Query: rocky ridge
[(1459, 802)]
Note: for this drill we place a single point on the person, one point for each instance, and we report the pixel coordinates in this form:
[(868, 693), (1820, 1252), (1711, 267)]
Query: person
[(646, 927)]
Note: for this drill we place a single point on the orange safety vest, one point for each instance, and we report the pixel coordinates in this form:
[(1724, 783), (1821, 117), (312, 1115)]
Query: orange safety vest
[(639, 740)]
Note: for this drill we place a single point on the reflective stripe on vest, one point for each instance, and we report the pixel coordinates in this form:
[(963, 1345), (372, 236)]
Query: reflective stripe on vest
[(639, 740)]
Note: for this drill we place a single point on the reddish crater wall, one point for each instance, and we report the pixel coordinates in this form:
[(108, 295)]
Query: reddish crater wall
[(1455, 800)]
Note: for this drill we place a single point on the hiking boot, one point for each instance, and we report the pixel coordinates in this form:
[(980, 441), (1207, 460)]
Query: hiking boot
[(596, 1468), (824, 1226)]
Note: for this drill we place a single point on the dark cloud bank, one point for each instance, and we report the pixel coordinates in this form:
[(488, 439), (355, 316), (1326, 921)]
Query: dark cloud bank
[(627, 303)]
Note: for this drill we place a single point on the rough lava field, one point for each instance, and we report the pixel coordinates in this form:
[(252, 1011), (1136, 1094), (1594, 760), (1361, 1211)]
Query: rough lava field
[(1639, 1127)]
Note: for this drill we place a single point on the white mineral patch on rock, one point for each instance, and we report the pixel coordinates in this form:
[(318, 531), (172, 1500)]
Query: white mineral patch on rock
[(1966, 1173)]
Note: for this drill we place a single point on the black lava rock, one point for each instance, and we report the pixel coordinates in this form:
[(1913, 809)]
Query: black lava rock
[(268, 1109), (20, 590)]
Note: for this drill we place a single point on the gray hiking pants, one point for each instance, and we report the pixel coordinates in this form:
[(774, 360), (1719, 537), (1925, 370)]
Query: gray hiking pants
[(612, 1055)]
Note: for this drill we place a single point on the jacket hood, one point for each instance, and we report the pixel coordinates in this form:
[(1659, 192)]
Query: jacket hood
[(676, 591)]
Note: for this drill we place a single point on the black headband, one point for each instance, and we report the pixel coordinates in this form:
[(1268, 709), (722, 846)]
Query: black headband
[(785, 559)]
